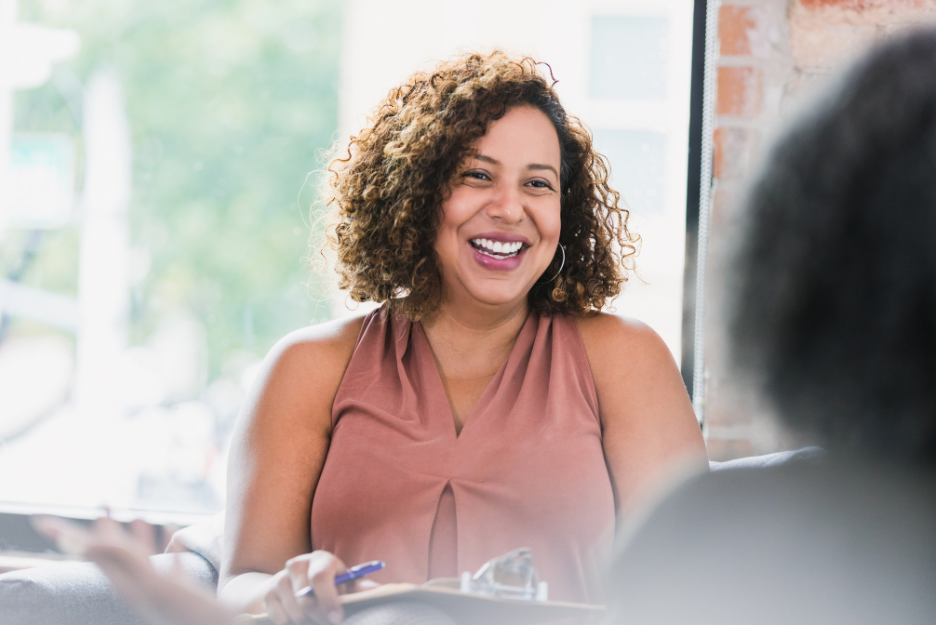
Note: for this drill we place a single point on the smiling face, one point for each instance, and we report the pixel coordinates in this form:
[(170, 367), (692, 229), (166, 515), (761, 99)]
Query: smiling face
[(500, 223)]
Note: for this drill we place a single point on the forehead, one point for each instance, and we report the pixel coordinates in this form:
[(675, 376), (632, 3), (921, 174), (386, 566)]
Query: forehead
[(523, 135)]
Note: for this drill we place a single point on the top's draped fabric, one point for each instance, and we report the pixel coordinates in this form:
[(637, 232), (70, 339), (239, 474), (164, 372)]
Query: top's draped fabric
[(526, 470)]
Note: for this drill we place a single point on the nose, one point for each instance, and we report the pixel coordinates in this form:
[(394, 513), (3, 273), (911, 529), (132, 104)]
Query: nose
[(506, 206)]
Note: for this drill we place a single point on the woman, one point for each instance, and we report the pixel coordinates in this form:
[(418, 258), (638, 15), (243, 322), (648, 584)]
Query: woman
[(486, 405)]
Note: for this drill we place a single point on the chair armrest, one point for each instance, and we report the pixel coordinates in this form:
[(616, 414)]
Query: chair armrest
[(78, 593), (806, 454)]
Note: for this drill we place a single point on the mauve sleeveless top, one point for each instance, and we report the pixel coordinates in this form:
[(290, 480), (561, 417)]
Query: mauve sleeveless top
[(527, 469)]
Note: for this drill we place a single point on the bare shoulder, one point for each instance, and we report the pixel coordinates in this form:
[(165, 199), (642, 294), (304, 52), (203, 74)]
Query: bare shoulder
[(648, 424), (635, 374), (303, 370), (332, 342), (617, 341)]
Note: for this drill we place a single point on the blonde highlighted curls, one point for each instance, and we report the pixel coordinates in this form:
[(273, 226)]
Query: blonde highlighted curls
[(388, 189)]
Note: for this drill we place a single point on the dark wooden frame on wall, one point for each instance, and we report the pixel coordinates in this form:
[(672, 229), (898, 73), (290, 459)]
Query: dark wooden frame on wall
[(693, 186)]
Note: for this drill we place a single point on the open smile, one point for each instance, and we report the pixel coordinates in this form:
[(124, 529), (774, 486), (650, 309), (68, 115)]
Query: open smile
[(497, 249)]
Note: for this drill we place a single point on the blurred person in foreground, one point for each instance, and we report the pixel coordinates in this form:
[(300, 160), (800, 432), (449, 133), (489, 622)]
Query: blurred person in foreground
[(834, 320)]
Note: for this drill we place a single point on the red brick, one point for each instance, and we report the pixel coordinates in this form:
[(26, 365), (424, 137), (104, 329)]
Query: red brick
[(862, 5), (721, 450), (842, 4), (740, 91), (734, 26)]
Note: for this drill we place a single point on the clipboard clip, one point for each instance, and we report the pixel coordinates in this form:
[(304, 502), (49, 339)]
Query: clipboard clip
[(510, 576)]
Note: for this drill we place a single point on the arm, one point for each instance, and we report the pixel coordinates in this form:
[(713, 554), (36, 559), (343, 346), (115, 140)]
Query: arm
[(648, 426), (277, 453)]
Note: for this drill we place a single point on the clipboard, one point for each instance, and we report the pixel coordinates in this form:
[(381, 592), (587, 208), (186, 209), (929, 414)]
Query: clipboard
[(464, 608)]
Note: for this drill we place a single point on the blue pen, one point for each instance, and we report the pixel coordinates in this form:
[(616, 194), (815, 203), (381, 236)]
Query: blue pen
[(355, 572)]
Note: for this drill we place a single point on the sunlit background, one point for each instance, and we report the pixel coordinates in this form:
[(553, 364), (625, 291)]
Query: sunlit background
[(158, 173)]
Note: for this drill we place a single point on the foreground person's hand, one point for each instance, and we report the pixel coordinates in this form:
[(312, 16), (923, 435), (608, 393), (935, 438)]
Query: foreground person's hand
[(159, 599), (318, 571)]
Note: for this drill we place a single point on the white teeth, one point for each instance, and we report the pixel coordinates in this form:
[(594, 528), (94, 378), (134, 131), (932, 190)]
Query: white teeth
[(497, 249)]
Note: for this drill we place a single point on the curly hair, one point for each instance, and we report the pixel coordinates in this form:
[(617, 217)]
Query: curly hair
[(835, 301), (388, 189)]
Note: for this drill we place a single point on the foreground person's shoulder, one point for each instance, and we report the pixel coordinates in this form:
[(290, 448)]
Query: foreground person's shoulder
[(811, 540)]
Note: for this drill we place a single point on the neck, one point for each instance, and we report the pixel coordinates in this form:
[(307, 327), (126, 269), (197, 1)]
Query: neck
[(479, 320), (471, 333)]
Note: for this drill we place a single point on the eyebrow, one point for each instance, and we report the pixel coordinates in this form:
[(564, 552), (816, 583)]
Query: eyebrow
[(494, 161)]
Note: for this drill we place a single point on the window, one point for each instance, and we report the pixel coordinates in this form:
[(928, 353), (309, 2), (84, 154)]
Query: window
[(629, 57), (167, 159), (639, 166), (638, 107), (135, 310)]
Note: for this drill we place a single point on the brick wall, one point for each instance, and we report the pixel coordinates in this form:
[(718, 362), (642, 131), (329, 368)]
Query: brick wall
[(771, 54)]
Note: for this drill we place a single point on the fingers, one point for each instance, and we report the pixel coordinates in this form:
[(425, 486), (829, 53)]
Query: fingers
[(287, 596), (274, 609), (105, 544), (323, 567), (107, 528), (70, 538), (298, 569), (280, 599), (117, 560), (106, 534), (316, 570), (145, 535)]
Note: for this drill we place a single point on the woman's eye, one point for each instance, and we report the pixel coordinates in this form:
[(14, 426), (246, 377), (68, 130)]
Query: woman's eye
[(540, 184), (477, 175)]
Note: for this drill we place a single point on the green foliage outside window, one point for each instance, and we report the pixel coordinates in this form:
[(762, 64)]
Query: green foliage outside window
[(231, 104)]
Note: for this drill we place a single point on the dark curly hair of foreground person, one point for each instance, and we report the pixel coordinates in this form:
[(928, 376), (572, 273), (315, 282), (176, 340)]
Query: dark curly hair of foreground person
[(388, 189), (835, 305)]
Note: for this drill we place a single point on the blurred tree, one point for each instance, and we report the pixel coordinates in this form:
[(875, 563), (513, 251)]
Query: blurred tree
[(230, 104)]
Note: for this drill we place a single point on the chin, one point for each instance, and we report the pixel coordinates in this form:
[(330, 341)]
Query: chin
[(499, 297)]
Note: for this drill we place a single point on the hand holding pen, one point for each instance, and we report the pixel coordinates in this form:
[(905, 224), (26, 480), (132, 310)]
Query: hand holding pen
[(355, 572), (308, 588)]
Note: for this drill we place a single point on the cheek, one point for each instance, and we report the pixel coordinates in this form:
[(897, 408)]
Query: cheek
[(456, 209), (551, 223), (446, 242)]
